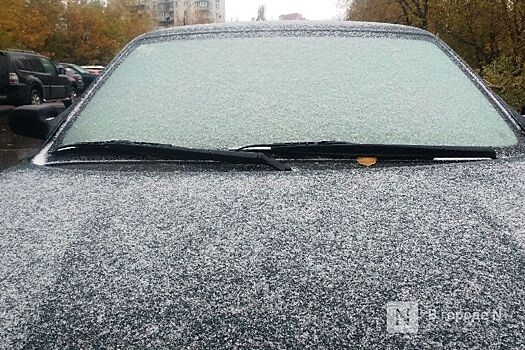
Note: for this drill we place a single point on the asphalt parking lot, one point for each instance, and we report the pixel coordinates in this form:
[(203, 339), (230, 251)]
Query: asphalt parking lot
[(13, 148)]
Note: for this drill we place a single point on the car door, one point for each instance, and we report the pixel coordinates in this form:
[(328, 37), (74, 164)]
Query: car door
[(56, 87), (33, 70), (37, 70), (64, 84), (29, 70)]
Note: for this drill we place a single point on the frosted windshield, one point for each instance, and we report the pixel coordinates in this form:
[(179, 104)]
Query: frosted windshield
[(228, 92)]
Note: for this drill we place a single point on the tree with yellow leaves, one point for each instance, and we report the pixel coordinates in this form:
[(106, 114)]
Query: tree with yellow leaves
[(78, 31)]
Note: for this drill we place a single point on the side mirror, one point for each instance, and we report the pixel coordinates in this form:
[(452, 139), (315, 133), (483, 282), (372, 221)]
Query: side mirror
[(35, 121), (61, 70)]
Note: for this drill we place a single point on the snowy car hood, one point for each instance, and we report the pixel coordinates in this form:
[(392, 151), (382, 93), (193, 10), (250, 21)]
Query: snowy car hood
[(176, 258)]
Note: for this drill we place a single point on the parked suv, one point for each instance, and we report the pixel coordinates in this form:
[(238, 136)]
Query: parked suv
[(29, 78)]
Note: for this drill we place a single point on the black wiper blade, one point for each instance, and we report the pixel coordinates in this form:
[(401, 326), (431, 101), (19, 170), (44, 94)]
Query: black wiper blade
[(337, 149), (153, 151)]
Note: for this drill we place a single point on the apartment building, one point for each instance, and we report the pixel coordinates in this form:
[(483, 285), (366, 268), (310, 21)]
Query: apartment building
[(140, 7), (170, 13)]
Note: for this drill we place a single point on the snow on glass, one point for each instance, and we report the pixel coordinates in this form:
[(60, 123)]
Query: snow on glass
[(230, 92)]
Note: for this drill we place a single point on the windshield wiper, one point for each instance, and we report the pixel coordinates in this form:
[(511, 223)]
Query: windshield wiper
[(335, 149), (152, 151)]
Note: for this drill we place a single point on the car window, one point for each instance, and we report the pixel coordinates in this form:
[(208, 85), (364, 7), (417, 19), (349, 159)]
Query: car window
[(28, 63), (228, 92), (34, 64), (49, 67), (79, 69), (19, 61)]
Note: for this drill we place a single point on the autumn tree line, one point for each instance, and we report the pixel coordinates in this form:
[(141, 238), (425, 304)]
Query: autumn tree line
[(75, 31), (488, 34)]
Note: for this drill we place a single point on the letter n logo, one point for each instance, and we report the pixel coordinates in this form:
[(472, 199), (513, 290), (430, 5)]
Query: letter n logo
[(402, 317)]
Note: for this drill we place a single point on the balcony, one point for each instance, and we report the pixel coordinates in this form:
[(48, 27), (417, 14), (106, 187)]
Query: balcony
[(202, 5)]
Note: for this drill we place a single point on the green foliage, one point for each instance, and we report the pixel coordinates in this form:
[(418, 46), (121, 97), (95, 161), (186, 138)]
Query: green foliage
[(502, 75)]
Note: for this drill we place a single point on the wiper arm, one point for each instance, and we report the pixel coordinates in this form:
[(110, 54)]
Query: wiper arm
[(153, 151), (335, 149)]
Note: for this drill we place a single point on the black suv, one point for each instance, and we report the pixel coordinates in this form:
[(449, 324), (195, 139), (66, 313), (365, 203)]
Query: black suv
[(29, 78)]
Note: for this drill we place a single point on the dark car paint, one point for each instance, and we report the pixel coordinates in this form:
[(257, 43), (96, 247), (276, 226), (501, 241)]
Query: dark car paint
[(173, 256), (50, 83), (35, 121), (76, 80), (185, 255), (88, 78)]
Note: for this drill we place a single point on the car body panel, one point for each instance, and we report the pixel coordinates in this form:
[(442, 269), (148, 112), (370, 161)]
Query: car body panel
[(75, 79), (55, 83), (179, 257)]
